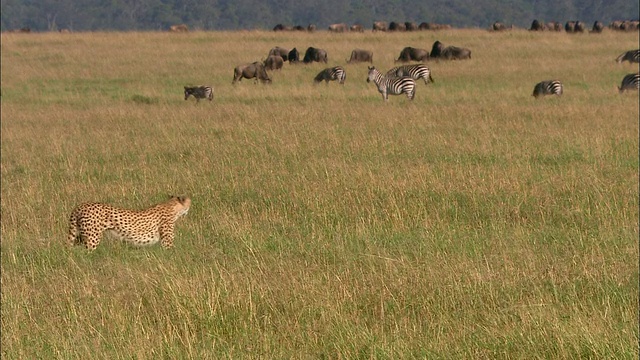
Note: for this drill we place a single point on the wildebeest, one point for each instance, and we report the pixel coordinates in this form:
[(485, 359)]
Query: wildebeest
[(274, 62), (311, 28), (632, 56), (293, 56), (394, 26), (280, 27), (536, 26), (299, 28), (410, 26), (342, 27), (579, 27), (249, 71), (282, 52), (597, 28), (179, 28), (359, 55), (433, 26), (379, 26), (412, 54), (438, 51), (314, 54), (198, 92), (498, 26), (329, 74), (357, 28)]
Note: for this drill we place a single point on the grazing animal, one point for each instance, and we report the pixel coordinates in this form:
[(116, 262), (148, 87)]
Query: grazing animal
[(536, 26), (394, 26), (313, 54), (438, 51), (597, 28), (356, 28), (179, 28), (498, 26), (632, 56), (89, 221), (311, 28), (549, 87), (274, 62), (379, 26), (331, 74), (342, 27), (294, 56), (410, 26), (198, 92), (630, 82), (392, 85), (249, 71), (359, 55), (415, 71), (282, 52), (412, 54)]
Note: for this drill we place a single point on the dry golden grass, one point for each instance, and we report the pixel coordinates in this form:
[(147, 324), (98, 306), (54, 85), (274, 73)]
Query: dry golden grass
[(472, 222)]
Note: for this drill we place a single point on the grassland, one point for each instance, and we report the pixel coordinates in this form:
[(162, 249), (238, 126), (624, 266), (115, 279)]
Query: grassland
[(473, 222)]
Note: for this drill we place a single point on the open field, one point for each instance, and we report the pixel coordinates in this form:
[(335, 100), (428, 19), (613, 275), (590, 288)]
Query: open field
[(473, 222)]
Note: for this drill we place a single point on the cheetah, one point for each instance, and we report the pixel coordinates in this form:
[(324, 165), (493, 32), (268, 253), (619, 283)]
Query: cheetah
[(89, 221)]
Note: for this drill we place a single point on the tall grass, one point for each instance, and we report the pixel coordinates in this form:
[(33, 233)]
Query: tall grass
[(472, 222)]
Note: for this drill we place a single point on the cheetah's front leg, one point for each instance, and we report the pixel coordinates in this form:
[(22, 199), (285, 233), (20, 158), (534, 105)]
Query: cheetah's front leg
[(166, 236)]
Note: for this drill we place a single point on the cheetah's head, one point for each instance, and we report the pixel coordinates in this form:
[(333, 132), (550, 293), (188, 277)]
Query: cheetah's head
[(181, 204)]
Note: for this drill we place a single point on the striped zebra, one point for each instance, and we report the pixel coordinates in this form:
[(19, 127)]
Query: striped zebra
[(630, 82), (415, 71), (329, 74), (391, 84), (550, 87), (198, 92), (632, 56)]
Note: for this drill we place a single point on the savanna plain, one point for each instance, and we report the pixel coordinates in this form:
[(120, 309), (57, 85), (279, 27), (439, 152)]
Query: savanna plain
[(474, 222)]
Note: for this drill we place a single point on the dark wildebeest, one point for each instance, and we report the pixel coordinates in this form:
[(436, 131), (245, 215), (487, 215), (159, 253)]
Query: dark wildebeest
[(281, 27), (282, 52), (597, 28), (299, 28), (410, 26), (179, 28), (632, 56), (412, 54), (311, 28), (536, 26), (438, 51), (357, 28), (313, 54), (394, 26), (249, 71), (274, 62), (342, 27), (379, 26), (570, 27), (359, 55), (293, 56), (498, 26), (579, 27)]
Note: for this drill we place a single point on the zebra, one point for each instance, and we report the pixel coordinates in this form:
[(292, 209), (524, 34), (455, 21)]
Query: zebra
[(415, 71), (632, 56), (630, 82), (391, 84), (550, 87), (328, 74), (198, 92)]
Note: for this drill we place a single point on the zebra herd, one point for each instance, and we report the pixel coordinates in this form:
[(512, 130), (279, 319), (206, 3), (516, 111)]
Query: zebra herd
[(402, 79)]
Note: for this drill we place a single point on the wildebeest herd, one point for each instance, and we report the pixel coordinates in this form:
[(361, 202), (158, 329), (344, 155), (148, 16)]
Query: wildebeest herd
[(396, 81)]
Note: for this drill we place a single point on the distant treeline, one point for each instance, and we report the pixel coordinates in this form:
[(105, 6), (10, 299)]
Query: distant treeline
[(126, 15)]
